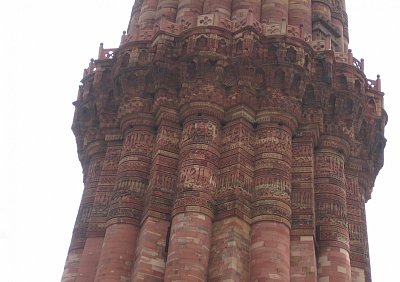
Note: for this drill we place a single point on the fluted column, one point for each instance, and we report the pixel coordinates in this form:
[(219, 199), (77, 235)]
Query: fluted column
[(230, 247), (339, 27), (303, 254), (356, 183), (89, 260), (168, 9), (117, 255), (321, 13), (300, 15), (222, 7), (147, 16), (331, 211), (76, 265), (241, 8), (339, 21), (151, 253), (189, 8), (135, 14), (96, 231), (367, 264), (189, 246), (321, 9), (270, 231), (273, 11)]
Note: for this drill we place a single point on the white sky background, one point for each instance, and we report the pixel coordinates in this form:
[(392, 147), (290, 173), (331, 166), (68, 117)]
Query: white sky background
[(46, 44)]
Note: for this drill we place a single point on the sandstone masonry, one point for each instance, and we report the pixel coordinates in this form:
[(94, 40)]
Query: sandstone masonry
[(227, 140)]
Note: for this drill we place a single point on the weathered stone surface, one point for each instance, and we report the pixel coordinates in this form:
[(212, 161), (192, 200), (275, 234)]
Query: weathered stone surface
[(227, 141)]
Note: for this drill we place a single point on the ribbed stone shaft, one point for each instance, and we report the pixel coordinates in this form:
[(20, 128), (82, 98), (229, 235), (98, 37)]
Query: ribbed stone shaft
[(167, 9), (226, 141), (120, 241), (148, 14), (78, 253), (222, 7), (331, 211), (273, 11), (230, 249), (191, 227), (300, 15), (240, 8), (188, 9), (302, 246), (270, 232), (117, 253), (151, 253)]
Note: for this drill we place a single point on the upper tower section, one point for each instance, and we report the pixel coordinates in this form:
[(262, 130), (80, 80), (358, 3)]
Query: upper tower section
[(147, 14), (309, 19), (329, 20), (294, 52)]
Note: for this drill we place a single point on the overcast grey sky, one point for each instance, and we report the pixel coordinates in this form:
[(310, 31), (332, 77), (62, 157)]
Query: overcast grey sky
[(45, 45)]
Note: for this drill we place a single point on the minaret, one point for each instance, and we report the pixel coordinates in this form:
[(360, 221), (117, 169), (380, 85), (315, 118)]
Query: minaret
[(227, 141)]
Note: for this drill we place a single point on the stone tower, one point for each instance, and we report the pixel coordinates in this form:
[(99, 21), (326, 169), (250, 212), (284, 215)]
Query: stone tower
[(227, 140)]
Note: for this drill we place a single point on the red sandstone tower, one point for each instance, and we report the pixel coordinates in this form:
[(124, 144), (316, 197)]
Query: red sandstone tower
[(227, 140)]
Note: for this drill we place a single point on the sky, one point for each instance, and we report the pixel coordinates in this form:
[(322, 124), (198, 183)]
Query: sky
[(46, 44)]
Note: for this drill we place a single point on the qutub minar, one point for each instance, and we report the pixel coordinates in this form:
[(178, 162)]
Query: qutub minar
[(227, 140)]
